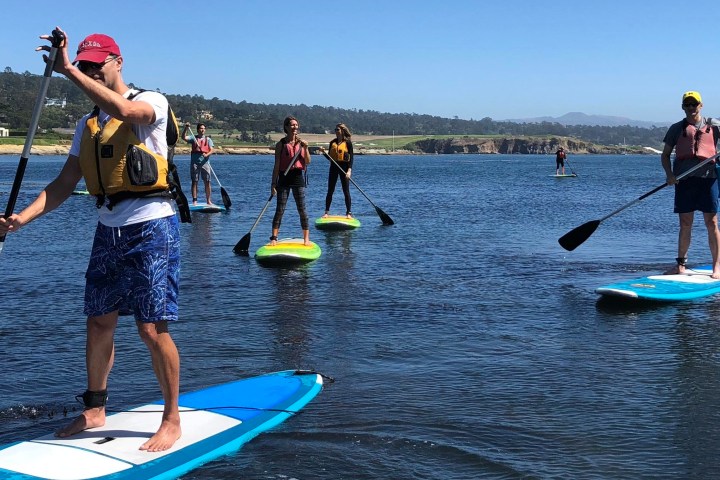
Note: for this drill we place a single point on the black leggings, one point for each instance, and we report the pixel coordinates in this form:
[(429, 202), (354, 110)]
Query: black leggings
[(333, 175), (282, 197)]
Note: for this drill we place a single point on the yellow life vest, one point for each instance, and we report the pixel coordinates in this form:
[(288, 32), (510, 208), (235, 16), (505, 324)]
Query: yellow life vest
[(117, 165), (339, 152)]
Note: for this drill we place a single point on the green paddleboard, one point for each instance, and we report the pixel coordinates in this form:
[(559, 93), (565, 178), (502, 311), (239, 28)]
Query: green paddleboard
[(286, 252), (337, 222)]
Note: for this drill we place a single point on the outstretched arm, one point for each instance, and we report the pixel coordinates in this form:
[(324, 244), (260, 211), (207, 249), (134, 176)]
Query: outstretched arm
[(49, 199)]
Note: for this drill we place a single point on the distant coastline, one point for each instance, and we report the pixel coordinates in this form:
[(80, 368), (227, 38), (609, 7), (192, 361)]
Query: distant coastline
[(400, 145), (65, 149)]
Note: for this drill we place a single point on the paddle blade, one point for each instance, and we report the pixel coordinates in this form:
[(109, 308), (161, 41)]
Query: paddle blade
[(575, 237), (225, 197), (387, 221), (241, 248)]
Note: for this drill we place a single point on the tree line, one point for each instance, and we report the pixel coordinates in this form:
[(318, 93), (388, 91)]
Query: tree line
[(18, 92)]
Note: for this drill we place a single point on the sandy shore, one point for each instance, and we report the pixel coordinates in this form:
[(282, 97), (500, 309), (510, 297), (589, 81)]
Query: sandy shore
[(64, 149), (312, 139)]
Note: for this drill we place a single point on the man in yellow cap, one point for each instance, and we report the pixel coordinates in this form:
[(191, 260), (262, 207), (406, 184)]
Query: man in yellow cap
[(693, 139)]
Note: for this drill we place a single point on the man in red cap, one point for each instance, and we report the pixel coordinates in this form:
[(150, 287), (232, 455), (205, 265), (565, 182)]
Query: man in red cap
[(134, 264)]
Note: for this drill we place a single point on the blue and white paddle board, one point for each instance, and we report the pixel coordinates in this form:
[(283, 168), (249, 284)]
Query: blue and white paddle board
[(694, 283), (205, 208), (215, 421), (567, 175)]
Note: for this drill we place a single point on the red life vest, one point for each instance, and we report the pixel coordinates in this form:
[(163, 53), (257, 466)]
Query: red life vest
[(288, 152), (201, 145), (695, 143)]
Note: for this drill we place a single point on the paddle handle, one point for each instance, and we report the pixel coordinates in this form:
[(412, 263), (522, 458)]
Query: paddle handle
[(660, 187)]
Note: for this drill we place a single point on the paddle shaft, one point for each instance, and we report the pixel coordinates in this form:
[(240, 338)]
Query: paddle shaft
[(660, 187), (58, 38), (325, 154), (384, 216), (571, 168)]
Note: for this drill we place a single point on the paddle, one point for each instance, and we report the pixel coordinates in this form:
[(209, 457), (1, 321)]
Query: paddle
[(223, 193), (57, 39), (571, 169), (241, 247), (575, 237), (386, 220)]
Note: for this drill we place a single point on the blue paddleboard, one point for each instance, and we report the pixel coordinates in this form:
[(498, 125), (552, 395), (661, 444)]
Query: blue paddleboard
[(205, 208), (695, 283), (215, 421)]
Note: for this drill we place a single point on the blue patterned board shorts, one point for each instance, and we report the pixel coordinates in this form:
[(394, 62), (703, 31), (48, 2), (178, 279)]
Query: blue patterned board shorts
[(135, 269)]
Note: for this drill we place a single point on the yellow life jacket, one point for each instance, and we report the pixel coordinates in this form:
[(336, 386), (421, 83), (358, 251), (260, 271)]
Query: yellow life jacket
[(339, 152), (117, 165)]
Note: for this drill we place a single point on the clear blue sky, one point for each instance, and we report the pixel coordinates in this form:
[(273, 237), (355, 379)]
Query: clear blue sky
[(464, 58)]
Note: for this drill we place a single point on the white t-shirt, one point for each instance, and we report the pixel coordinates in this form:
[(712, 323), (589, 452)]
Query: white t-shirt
[(136, 210)]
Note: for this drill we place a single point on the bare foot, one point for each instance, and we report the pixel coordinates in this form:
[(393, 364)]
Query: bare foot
[(307, 243), (209, 202), (715, 275), (676, 270), (90, 418), (326, 215), (273, 242), (349, 215), (164, 438)]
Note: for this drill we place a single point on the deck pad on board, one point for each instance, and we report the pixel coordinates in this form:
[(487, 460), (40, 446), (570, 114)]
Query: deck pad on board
[(695, 283)]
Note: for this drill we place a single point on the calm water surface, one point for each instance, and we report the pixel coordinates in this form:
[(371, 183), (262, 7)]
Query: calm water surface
[(464, 342)]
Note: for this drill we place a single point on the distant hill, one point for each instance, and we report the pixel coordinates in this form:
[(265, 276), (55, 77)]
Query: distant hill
[(579, 118), (252, 122)]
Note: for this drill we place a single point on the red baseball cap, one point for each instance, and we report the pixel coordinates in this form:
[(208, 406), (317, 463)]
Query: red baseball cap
[(95, 48)]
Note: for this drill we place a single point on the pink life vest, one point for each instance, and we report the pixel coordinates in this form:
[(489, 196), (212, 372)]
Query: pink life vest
[(286, 155), (695, 143)]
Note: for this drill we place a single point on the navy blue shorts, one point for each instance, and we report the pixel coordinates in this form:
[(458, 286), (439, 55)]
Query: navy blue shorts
[(135, 269), (696, 194)]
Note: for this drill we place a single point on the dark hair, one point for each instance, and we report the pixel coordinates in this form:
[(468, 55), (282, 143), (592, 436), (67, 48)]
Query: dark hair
[(286, 122), (200, 125)]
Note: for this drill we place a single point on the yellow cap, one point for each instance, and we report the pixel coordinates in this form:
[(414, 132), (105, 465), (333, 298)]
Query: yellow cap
[(694, 95)]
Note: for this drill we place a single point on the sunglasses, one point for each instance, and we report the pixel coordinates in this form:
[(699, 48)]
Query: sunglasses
[(690, 105), (85, 67)]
